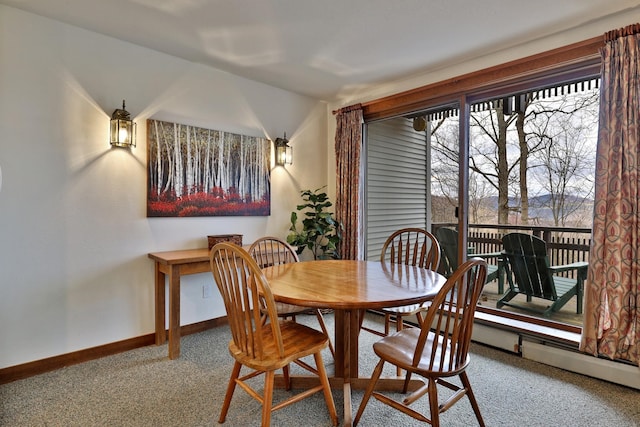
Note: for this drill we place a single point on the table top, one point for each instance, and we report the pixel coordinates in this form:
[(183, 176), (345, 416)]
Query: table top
[(346, 284), (183, 256)]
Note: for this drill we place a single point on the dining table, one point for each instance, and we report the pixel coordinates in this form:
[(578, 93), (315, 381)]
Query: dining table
[(349, 288)]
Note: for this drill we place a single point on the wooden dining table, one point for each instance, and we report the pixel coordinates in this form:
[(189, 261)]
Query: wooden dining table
[(349, 288)]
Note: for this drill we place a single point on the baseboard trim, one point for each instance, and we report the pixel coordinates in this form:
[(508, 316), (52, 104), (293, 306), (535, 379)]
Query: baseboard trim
[(26, 370), (604, 369)]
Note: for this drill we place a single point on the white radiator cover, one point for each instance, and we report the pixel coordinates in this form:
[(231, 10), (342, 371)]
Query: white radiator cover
[(564, 358), (615, 372), (494, 337)]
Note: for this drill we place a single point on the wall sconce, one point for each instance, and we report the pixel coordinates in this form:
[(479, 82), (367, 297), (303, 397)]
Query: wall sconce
[(284, 153), (123, 130)]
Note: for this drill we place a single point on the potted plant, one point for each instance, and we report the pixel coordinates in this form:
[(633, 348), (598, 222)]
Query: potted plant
[(319, 231)]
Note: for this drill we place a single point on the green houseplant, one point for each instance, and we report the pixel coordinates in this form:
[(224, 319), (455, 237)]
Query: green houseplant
[(319, 231)]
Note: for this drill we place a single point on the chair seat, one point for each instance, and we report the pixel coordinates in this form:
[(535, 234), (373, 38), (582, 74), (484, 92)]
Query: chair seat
[(399, 349), (405, 310), (285, 309), (298, 341)]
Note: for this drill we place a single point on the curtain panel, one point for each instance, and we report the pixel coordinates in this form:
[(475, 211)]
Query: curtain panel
[(348, 146), (612, 291)]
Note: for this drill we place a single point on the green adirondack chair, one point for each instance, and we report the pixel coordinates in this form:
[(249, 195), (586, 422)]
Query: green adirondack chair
[(529, 273), (448, 239)]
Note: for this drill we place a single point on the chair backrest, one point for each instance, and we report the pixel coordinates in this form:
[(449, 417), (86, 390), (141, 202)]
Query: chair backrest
[(268, 251), (448, 239), (528, 262), (448, 323), (412, 246), (243, 286)]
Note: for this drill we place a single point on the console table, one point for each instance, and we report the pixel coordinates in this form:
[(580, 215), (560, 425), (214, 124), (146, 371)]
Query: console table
[(174, 264)]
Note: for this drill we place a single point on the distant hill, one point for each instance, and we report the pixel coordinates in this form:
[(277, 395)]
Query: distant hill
[(540, 206), (539, 209)]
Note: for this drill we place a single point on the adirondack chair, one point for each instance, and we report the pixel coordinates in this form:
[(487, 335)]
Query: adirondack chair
[(529, 273), (448, 239)]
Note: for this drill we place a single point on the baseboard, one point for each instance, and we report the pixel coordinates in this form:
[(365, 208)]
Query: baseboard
[(494, 337), (608, 370), (37, 367)]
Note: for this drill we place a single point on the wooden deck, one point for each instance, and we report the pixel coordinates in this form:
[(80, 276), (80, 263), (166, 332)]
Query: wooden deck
[(567, 314)]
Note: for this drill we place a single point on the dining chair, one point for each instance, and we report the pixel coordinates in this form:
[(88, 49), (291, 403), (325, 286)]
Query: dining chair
[(410, 246), (263, 347), (268, 251), (436, 351)]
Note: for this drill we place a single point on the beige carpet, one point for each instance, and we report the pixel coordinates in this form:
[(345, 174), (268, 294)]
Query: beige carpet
[(144, 388)]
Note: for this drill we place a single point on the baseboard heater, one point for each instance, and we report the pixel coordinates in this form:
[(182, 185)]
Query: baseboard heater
[(607, 370), (494, 337)]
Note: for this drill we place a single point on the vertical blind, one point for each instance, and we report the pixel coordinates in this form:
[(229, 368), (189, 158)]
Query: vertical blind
[(397, 182)]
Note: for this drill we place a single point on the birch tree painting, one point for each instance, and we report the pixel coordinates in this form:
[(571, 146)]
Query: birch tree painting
[(202, 172)]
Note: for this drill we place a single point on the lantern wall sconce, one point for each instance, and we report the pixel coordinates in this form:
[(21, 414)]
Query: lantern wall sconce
[(123, 129), (284, 153), (419, 123)]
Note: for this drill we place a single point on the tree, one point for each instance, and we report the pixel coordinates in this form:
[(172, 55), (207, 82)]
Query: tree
[(565, 128), (489, 139), (517, 146)]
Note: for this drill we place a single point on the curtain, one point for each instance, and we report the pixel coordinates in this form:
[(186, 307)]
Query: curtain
[(612, 291), (348, 148)]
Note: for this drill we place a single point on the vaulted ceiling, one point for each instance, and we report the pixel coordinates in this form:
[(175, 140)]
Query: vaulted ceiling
[(326, 48)]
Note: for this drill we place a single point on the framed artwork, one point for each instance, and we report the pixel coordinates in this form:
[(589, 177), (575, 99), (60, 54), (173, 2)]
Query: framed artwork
[(193, 171)]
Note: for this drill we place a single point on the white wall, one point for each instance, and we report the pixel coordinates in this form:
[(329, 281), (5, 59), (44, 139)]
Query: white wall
[(74, 236)]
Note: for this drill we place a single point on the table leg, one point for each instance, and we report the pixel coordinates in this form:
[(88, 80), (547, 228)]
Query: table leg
[(161, 335), (340, 340), (346, 360), (174, 312)]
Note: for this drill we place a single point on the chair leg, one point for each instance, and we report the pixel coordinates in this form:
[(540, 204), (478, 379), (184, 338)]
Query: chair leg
[(472, 398), (323, 326), (326, 388), (434, 408), (267, 398), (407, 379), (506, 298), (367, 394), (286, 377), (399, 327), (235, 373), (420, 318), (387, 323), (361, 319)]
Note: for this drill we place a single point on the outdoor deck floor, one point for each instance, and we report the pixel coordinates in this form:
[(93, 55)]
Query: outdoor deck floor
[(567, 313)]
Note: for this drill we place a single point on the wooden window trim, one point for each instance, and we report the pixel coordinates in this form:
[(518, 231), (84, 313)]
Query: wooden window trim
[(577, 55)]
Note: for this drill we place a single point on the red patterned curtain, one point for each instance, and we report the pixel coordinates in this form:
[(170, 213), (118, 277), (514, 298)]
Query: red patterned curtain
[(612, 290), (348, 148)]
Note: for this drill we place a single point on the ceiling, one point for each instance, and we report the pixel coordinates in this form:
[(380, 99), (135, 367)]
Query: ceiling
[(326, 48)]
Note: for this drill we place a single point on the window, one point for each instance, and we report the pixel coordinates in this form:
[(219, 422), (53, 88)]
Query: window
[(516, 147)]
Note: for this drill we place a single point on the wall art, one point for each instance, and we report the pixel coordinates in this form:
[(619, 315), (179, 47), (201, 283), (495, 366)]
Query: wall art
[(194, 171)]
